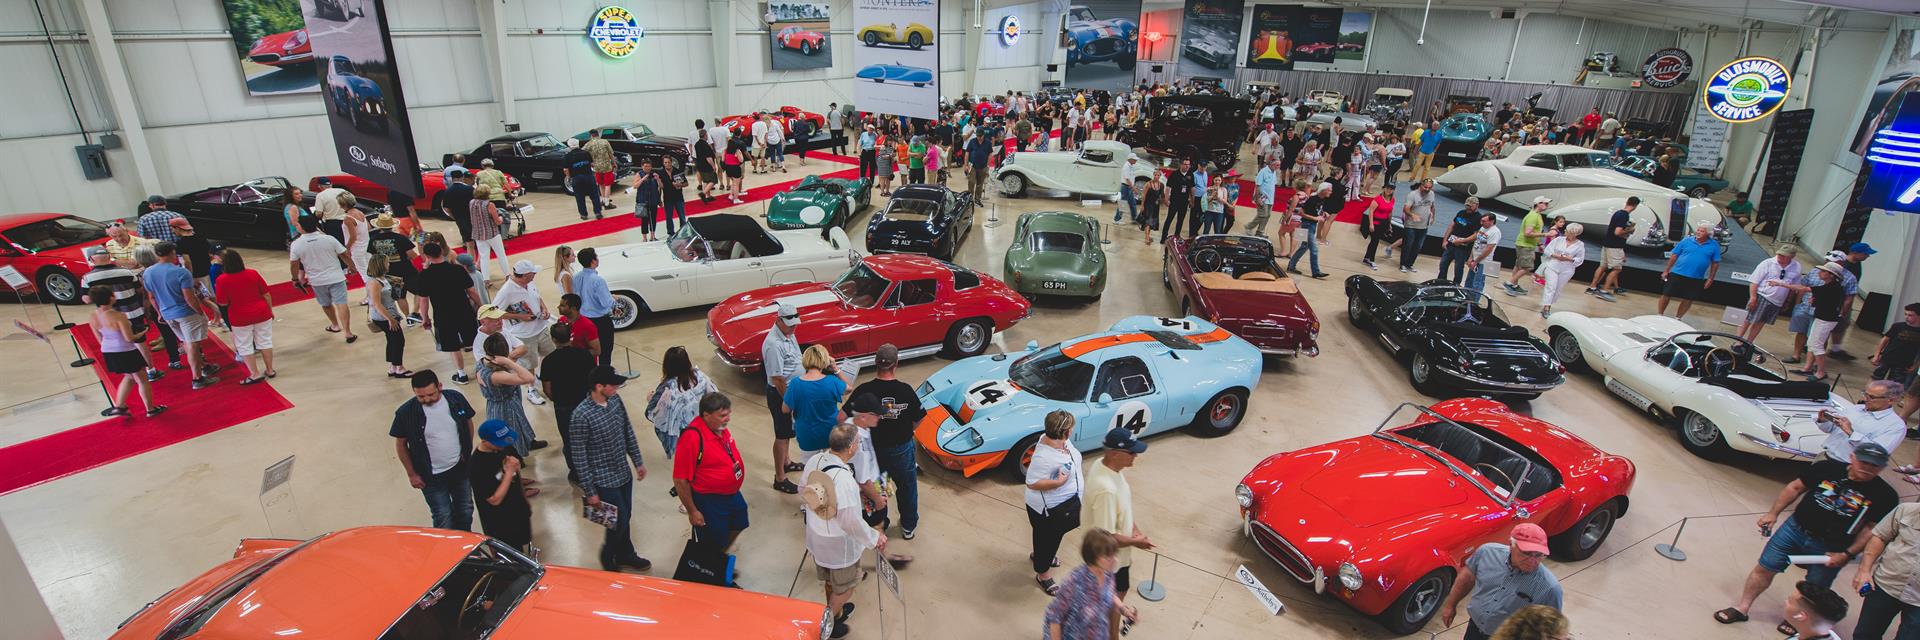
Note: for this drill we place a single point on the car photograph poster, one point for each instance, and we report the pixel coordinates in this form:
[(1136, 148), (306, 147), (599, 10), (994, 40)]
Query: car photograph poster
[(896, 57), (1316, 34), (1209, 39), (1102, 38), (798, 35), (271, 39), (1355, 27), (361, 89), (1271, 44)]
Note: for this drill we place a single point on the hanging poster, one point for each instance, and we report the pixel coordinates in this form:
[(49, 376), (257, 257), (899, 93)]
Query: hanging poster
[(1271, 44), (798, 35), (1355, 28), (1209, 38), (365, 106), (1317, 34), (897, 61), (1102, 38), (272, 41)]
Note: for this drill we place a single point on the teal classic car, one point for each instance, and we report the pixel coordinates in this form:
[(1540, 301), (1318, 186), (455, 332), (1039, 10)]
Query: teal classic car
[(1056, 253), (818, 203)]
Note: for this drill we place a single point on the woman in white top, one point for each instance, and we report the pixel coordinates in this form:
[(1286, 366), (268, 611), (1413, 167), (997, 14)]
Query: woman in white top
[(1053, 495), (1561, 257), (1307, 162), (563, 268), (356, 229)]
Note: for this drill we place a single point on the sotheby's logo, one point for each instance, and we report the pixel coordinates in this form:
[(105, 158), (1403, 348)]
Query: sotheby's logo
[(359, 154), (361, 157)]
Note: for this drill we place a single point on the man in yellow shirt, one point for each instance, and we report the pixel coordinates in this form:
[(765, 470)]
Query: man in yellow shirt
[(1108, 502), (492, 178)]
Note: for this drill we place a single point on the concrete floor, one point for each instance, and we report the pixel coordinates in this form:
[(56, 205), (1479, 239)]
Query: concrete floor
[(101, 543)]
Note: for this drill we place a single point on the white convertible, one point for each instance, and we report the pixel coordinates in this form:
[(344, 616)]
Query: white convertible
[(715, 256), (1722, 392), (1096, 169), (1584, 188)]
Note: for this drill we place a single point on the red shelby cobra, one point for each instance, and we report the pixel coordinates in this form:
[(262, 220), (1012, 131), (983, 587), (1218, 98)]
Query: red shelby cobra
[(784, 114), (1384, 521), (920, 304), (282, 49), (431, 180), (1234, 282)]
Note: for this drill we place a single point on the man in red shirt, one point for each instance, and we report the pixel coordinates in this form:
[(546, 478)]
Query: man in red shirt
[(585, 334), (1589, 125), (707, 473)]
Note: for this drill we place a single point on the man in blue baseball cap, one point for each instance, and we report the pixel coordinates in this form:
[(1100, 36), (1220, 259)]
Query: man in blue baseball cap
[(1857, 254), (494, 473), (1107, 502)]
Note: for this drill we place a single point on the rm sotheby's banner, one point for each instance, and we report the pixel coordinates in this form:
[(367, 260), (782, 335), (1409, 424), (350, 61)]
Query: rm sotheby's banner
[(360, 86), (896, 58)]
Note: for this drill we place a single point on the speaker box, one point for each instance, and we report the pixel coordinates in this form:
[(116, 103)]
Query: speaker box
[(1052, 68), (1158, 69)]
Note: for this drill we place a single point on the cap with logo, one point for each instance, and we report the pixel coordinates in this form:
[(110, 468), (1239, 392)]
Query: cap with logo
[(497, 433), (1121, 439), (1870, 453), (1530, 538)]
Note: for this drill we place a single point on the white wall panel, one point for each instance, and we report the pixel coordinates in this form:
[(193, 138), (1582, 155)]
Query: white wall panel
[(1472, 44), (42, 174), (35, 104)]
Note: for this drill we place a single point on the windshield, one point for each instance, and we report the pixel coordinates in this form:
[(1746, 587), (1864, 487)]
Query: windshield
[(538, 144), (1455, 304), (639, 132), (56, 233), (259, 190), (1060, 241), (687, 245), (472, 599), (1585, 160), (1495, 469), (1081, 14), (1052, 375), (1702, 354), (916, 210), (861, 287)]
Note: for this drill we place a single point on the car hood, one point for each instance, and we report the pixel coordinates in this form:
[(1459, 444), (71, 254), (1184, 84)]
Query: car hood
[(1365, 482), (676, 142), (596, 604), (635, 255), (742, 319)]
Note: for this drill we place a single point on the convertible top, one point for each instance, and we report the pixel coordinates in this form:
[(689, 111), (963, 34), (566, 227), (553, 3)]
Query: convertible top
[(718, 227)]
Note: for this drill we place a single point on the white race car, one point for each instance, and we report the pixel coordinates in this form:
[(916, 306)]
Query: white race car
[(1722, 392), (1096, 169), (715, 256), (1584, 188)]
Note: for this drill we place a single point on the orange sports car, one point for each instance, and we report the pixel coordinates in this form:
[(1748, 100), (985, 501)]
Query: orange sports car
[(398, 583)]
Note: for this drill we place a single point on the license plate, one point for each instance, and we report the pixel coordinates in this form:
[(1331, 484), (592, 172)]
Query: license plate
[(1053, 285)]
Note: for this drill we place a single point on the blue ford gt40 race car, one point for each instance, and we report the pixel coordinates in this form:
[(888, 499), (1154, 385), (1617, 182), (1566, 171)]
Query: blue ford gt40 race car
[(897, 74), (1147, 374)]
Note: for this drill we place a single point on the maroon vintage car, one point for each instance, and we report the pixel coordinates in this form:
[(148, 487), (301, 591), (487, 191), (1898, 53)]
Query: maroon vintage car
[(1234, 282)]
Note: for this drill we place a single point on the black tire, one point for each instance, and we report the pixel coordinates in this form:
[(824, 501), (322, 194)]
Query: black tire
[(1699, 191), (1220, 415), (1018, 457), (806, 49), (1418, 604), (628, 309), (914, 42), (1013, 185), (1700, 436), (1126, 64), (1356, 312), (1420, 372), (961, 343), (1581, 540), (59, 286), (873, 38), (1566, 349)]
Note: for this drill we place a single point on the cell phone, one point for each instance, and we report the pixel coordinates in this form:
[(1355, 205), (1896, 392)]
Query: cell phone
[(1865, 588), (1766, 531)]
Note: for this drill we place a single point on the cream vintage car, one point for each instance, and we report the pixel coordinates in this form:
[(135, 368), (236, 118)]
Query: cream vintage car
[(1584, 188), (715, 256), (1097, 168), (1723, 393)]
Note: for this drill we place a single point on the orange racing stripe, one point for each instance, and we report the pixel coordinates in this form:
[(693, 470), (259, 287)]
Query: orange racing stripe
[(1091, 345)]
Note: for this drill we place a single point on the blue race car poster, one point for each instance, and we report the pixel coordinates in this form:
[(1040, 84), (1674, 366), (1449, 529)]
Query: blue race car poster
[(1102, 38)]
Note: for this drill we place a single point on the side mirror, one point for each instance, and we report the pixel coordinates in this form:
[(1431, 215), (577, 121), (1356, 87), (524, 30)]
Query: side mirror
[(1033, 345), (1104, 399)]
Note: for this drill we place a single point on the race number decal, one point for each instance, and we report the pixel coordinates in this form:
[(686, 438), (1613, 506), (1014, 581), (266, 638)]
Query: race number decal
[(989, 393), (813, 214), (1133, 415), (1177, 324)]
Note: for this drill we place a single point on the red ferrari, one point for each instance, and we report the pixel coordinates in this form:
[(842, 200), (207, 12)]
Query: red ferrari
[(805, 41), (432, 180), (282, 49), (784, 114), (921, 305), (1314, 48), (1234, 282), (46, 248), (1383, 521)]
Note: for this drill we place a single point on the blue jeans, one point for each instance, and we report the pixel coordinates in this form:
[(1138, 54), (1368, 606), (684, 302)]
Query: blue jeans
[(618, 544), (1791, 540), (903, 464), (777, 152), (1477, 278), (675, 208), (1876, 614), (1410, 249), (1133, 206), (449, 498), (1309, 246), (1213, 222), (1456, 256)]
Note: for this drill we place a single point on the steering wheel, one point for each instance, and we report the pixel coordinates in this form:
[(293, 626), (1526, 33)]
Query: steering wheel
[(1718, 362), (1484, 467), (475, 603), (1207, 261)]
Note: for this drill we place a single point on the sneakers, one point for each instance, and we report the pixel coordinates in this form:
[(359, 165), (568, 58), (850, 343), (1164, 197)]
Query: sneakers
[(533, 396), (177, 365), (1370, 265), (414, 319), (1604, 296), (536, 445), (1512, 289), (1387, 254), (1593, 291), (637, 563), (204, 382), (155, 374), (460, 377), (1321, 275), (906, 533), (1619, 291)]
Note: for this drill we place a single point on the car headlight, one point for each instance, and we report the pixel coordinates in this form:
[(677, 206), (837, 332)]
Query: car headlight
[(1350, 576), (965, 441), (1244, 494)]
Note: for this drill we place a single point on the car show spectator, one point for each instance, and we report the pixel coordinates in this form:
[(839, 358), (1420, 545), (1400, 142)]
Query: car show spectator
[(894, 450), (1501, 579), (780, 362), (603, 165), (1480, 255), (433, 435), (1765, 294), (1839, 503), (494, 474), (596, 301), (1888, 576), (1054, 482), (836, 536), (157, 223), (707, 469), (122, 355), (675, 402), (1526, 246), (249, 304), (1812, 612), (1613, 253), (1108, 501), (576, 168), (813, 396), (1418, 212), (1871, 420), (177, 299), (602, 437)]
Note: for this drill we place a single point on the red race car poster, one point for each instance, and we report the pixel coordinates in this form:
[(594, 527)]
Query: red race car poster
[(798, 35), (272, 42)]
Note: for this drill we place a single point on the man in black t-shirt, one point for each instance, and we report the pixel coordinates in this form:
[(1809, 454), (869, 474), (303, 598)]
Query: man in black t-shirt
[(447, 292), (893, 444), (1839, 505), (1179, 195), (1613, 253), (1894, 358), (563, 377), (1456, 247), (454, 200)]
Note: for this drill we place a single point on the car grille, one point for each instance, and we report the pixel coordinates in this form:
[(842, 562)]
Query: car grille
[(1102, 47), (1282, 552), (1253, 331), (1497, 347)]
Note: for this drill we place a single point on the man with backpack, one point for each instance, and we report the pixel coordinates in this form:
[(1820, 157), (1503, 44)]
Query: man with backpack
[(708, 472), (836, 535)]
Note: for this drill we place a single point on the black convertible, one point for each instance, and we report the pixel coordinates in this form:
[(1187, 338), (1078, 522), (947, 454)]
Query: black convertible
[(536, 158), (1196, 127), (1453, 338), (252, 213), (639, 142), (922, 218)]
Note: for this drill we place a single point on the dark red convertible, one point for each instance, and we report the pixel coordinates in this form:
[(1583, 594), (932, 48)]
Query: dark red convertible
[(1234, 282)]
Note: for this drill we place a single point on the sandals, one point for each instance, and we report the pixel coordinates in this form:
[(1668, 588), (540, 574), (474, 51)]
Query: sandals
[(1048, 585), (115, 411), (156, 410), (333, 329), (271, 373), (1729, 615), (783, 486), (795, 467), (253, 380), (350, 339)]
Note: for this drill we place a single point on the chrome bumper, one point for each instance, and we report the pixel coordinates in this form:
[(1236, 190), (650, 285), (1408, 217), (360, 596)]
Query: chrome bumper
[(1774, 446)]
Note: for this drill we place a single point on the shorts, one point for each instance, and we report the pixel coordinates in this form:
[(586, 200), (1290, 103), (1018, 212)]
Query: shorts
[(538, 347), (124, 361), (1817, 338), (1683, 287), (782, 421), (733, 171), (328, 295), (1123, 579), (603, 178), (451, 337), (1790, 540), (1613, 258), (724, 512), (192, 328), (1525, 259), (840, 580), (1802, 321), (1762, 311), (254, 337), (708, 176)]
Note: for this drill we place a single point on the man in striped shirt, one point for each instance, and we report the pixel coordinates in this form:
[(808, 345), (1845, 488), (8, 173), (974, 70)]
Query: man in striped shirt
[(128, 297), (601, 437)]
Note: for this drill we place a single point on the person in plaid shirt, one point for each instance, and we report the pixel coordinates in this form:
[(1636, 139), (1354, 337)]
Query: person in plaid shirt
[(602, 439), (155, 223)]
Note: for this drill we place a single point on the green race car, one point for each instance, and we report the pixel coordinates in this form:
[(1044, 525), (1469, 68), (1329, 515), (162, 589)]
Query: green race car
[(818, 203), (1056, 253)]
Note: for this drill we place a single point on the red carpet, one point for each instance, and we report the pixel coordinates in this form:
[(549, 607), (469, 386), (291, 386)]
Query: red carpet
[(190, 414)]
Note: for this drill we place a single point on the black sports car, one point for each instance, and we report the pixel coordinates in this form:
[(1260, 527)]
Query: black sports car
[(535, 157), (639, 142), (922, 218), (252, 213), (1454, 339), (1193, 126)]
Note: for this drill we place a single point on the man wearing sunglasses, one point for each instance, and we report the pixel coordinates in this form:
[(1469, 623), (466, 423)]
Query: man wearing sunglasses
[(1872, 420), (1503, 578)]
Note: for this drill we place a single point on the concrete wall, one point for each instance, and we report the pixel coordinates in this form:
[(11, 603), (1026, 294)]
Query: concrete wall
[(1473, 44)]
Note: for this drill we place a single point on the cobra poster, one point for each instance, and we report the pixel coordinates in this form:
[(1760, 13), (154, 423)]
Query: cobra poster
[(798, 33), (272, 41), (897, 59), (1317, 34), (1271, 45), (1103, 42), (365, 107), (1209, 38)]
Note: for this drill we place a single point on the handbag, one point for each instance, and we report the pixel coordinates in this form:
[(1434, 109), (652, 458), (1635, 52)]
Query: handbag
[(704, 563)]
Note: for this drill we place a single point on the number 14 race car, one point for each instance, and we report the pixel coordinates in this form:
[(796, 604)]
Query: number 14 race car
[(1146, 374)]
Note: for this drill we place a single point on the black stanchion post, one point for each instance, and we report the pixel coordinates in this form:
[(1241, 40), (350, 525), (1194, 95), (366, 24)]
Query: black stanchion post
[(1671, 550)]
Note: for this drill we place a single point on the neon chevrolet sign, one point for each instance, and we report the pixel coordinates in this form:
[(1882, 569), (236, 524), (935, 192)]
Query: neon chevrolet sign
[(615, 31)]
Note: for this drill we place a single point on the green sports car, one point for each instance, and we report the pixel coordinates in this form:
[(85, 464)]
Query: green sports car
[(1056, 253), (818, 203)]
